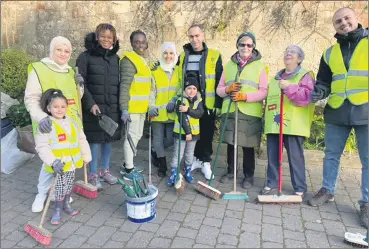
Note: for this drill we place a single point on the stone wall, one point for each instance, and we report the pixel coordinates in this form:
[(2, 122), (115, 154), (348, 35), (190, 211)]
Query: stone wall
[(32, 24)]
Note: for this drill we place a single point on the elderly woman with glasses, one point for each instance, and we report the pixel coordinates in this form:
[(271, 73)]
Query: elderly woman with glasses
[(244, 80), (295, 84)]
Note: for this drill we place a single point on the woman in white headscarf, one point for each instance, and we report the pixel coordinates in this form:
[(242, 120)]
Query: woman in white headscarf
[(164, 88), (51, 72)]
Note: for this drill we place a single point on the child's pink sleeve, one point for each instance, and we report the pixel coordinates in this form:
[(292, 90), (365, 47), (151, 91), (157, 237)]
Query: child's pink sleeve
[(299, 93), (84, 147)]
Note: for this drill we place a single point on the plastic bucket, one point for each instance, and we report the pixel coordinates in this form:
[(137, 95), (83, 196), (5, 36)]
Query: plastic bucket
[(140, 210)]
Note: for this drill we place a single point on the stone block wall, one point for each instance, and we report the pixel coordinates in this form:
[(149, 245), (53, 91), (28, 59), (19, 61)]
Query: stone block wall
[(32, 24)]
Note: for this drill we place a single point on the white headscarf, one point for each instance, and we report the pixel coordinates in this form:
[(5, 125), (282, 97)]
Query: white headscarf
[(168, 67), (56, 41)]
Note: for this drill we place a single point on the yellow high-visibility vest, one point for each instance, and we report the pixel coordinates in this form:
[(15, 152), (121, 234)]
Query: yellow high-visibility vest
[(65, 147), (139, 91), (249, 79), (165, 90), (296, 119), (194, 122), (351, 84), (210, 73), (58, 80)]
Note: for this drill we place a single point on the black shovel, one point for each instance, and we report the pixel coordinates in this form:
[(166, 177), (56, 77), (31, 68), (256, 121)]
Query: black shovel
[(107, 124)]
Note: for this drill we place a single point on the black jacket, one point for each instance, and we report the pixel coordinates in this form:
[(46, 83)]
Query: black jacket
[(347, 114), (100, 69), (194, 113), (188, 50)]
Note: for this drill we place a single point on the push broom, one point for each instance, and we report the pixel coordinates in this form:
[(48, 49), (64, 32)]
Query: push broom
[(234, 195), (202, 187), (280, 197), (36, 231), (356, 239), (83, 187), (179, 183)]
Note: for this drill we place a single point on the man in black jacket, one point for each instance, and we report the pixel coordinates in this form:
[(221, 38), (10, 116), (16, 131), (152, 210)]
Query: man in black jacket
[(206, 64), (343, 76)]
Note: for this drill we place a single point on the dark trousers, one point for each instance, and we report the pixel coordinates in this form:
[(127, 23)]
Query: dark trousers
[(296, 159), (204, 146), (248, 160)]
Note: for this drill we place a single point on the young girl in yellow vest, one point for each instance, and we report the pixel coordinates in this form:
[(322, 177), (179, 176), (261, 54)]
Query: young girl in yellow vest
[(62, 150), (191, 110)]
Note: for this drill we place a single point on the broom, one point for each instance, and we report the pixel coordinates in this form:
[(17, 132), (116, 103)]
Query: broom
[(280, 198), (83, 187), (356, 239), (35, 230), (234, 195), (179, 183), (202, 187)]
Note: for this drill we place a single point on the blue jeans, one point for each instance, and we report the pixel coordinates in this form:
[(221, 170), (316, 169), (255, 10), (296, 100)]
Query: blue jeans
[(105, 156), (335, 141)]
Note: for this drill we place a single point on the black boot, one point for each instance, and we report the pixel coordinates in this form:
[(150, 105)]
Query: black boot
[(55, 218), (155, 159), (67, 207), (162, 166)]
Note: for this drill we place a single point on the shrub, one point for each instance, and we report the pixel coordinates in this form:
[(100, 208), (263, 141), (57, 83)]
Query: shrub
[(14, 72), (19, 115)]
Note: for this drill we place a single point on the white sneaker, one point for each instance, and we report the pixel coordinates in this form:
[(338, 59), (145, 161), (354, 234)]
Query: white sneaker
[(38, 203), (206, 170), (197, 164)]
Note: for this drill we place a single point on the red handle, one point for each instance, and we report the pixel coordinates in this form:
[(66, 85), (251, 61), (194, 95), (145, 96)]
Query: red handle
[(280, 149)]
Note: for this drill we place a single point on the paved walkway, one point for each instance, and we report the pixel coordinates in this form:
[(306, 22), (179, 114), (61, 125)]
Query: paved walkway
[(191, 220)]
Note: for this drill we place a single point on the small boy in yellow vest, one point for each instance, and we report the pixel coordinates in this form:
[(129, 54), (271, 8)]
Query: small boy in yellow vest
[(62, 150), (191, 110)]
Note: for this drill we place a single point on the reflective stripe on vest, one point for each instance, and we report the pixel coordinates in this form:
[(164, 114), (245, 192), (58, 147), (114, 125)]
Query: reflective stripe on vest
[(351, 84), (65, 146), (296, 119), (139, 90), (249, 79), (62, 81), (165, 90), (210, 66), (194, 122)]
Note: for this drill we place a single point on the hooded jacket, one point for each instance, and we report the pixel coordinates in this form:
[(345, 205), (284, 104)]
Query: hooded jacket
[(99, 68), (188, 50), (347, 114)]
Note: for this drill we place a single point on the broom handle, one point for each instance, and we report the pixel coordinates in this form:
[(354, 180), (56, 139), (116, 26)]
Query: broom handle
[(149, 148), (51, 192), (235, 146), (280, 148), (80, 116)]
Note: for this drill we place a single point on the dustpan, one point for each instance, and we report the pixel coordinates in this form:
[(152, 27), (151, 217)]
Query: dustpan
[(107, 124)]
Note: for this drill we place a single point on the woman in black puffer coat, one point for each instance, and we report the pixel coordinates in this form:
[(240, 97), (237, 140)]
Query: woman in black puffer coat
[(99, 67)]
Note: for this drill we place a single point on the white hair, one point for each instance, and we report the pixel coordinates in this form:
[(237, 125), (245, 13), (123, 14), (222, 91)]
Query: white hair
[(300, 52)]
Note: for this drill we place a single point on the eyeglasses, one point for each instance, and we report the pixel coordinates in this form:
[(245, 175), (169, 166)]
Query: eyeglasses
[(291, 52), (242, 45)]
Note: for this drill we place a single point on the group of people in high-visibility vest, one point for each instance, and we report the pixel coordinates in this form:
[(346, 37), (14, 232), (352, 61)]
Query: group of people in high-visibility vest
[(194, 88)]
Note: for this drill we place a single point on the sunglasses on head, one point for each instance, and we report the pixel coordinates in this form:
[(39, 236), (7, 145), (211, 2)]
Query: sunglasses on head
[(242, 45)]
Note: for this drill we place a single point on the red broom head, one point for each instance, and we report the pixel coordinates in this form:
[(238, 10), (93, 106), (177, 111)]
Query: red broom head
[(40, 234), (84, 192)]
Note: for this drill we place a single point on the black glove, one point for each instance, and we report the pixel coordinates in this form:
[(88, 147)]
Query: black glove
[(315, 96), (58, 167), (44, 125)]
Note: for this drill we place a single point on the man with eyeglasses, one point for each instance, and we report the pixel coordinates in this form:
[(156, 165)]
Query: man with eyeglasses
[(206, 64), (135, 84), (343, 77)]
